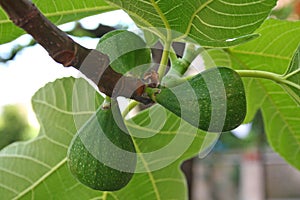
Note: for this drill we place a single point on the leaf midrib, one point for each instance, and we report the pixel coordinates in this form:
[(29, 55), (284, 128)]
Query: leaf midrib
[(163, 19), (44, 103), (148, 170)]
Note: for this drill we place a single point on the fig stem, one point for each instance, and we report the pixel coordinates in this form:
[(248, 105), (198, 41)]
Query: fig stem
[(260, 74), (104, 196), (129, 108), (191, 51), (173, 55), (106, 103), (279, 79), (152, 92), (164, 60)]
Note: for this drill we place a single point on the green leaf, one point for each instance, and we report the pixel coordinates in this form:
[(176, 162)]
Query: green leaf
[(272, 52), (211, 23), (58, 12), (150, 38), (166, 138), (215, 58), (38, 168), (282, 122), (292, 76)]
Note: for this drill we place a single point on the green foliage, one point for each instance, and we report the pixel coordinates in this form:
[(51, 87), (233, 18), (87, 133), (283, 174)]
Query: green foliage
[(41, 165), (208, 22), (162, 140), (44, 158), (271, 52), (215, 57), (14, 125)]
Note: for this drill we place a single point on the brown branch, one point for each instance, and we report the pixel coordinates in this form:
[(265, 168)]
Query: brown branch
[(64, 50)]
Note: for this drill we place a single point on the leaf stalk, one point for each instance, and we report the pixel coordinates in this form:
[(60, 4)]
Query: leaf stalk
[(279, 79)]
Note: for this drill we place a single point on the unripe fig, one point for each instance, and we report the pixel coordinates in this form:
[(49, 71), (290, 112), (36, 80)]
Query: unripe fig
[(102, 154), (213, 100), (126, 51)]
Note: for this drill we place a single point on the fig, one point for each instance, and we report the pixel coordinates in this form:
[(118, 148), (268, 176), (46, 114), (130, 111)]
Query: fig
[(127, 52), (102, 155), (213, 100)]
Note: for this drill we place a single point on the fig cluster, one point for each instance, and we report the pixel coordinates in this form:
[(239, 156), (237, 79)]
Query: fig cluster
[(102, 154)]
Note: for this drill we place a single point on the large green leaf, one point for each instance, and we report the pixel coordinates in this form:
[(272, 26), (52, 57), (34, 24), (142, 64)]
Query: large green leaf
[(38, 168), (58, 12), (213, 23), (273, 52), (282, 121)]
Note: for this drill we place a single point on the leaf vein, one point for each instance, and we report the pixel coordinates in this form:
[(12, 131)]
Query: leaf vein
[(61, 110), (9, 188), (16, 174), (26, 158), (41, 179)]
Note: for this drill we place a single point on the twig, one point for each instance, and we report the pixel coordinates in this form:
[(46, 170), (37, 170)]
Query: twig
[(92, 63)]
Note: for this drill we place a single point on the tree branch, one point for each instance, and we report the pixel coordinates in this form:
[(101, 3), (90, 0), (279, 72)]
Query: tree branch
[(92, 63)]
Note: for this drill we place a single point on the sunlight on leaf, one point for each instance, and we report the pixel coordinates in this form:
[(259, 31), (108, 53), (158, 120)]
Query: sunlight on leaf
[(273, 52), (211, 23), (282, 117)]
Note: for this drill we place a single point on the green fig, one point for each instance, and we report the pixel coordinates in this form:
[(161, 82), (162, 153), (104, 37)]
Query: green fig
[(102, 154), (213, 100), (126, 51)]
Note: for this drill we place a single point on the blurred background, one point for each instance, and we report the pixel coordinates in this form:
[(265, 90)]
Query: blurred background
[(241, 164)]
